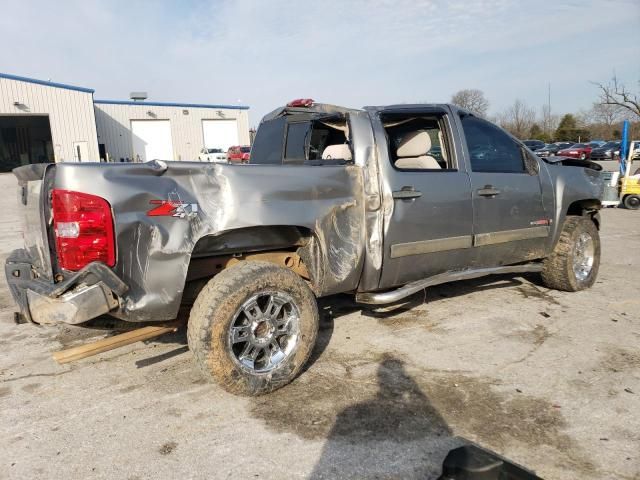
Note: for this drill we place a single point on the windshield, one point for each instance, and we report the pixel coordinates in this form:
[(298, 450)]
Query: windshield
[(578, 145), (214, 150), (245, 149), (611, 145)]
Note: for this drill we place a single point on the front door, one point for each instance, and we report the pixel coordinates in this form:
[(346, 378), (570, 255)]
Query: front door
[(510, 223), (429, 229)]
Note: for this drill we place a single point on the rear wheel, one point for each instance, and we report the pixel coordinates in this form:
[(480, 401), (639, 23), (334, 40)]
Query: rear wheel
[(575, 260), (252, 327), (632, 202)]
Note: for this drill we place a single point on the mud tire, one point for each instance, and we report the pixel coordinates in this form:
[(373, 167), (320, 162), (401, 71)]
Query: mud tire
[(557, 270), (214, 310)]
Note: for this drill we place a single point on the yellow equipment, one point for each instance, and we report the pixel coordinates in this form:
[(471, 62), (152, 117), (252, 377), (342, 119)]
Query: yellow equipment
[(630, 184)]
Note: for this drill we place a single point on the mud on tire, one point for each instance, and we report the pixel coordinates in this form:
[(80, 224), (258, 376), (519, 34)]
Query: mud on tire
[(236, 318), (568, 267)]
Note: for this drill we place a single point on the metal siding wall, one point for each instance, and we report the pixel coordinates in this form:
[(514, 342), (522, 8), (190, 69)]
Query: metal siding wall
[(70, 113), (114, 127)]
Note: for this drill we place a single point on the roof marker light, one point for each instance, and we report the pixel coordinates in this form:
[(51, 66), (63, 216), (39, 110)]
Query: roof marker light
[(301, 102)]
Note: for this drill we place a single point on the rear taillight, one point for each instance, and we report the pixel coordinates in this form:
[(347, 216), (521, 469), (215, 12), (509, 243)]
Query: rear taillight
[(83, 227)]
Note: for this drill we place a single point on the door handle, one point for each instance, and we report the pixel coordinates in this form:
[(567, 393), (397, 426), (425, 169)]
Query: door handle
[(488, 191), (407, 193)]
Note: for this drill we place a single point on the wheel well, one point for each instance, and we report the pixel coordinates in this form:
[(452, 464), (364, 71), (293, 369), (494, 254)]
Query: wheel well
[(587, 207), (282, 245), (251, 239)]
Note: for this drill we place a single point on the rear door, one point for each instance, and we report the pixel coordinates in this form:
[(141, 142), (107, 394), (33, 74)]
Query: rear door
[(429, 220), (510, 224)]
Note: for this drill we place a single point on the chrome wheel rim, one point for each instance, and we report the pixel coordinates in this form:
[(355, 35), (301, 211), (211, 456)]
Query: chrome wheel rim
[(264, 331), (583, 256)]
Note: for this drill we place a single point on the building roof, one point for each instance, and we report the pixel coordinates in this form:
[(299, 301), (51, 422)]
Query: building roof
[(170, 104), (119, 102), (46, 83)]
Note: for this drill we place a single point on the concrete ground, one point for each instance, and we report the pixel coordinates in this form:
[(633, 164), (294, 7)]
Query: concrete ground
[(548, 379)]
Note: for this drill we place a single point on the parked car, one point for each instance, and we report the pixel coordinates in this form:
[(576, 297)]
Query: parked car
[(239, 154), (635, 154), (577, 150), (534, 144), (552, 149), (252, 248), (216, 155), (608, 151)]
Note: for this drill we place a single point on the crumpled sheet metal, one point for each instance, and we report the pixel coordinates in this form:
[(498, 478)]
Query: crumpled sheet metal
[(154, 252)]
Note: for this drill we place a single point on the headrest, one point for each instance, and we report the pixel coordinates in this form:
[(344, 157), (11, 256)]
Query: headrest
[(414, 144), (335, 152)]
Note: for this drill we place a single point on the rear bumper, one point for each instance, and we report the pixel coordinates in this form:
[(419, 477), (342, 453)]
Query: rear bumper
[(86, 294)]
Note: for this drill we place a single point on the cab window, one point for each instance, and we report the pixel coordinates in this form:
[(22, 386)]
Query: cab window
[(317, 141), (418, 142), (491, 149)]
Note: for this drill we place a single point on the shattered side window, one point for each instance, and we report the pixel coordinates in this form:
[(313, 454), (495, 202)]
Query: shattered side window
[(267, 147)]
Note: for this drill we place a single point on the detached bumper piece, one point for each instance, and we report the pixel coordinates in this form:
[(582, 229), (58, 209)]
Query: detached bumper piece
[(86, 294), (473, 463)]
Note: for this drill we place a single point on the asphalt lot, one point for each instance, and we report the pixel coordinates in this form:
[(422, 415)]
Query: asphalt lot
[(548, 379)]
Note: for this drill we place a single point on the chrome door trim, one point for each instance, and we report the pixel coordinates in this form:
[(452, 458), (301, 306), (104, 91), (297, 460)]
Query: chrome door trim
[(491, 238), (467, 241), (430, 246)]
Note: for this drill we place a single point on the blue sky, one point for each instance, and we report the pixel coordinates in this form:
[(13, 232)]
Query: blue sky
[(354, 53)]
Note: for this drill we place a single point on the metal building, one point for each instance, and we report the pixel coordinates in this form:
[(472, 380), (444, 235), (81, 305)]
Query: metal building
[(141, 131), (43, 121)]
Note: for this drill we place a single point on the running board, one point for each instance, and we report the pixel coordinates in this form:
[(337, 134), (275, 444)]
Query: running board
[(391, 296)]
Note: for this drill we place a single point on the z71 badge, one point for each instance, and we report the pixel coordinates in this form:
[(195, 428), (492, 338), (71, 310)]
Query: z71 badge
[(173, 208)]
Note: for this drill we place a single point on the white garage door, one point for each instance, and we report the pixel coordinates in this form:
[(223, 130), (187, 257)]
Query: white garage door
[(152, 140), (220, 133)]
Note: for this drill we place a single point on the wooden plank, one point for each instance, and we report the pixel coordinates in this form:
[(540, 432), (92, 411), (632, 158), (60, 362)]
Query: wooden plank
[(106, 344)]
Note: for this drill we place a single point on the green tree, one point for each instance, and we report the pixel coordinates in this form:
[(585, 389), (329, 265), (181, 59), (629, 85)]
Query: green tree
[(569, 130), (536, 132)]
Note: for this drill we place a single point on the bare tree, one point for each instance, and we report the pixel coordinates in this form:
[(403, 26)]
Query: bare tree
[(472, 100), (518, 119), (615, 93), (605, 113), (548, 121)]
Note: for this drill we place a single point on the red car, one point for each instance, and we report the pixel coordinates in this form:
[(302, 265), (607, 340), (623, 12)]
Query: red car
[(239, 154), (577, 150)]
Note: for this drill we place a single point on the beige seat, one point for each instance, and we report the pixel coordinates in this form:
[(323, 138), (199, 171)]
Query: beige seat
[(412, 152), (335, 152)]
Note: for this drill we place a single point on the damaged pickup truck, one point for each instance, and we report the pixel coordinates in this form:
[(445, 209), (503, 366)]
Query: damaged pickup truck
[(380, 203)]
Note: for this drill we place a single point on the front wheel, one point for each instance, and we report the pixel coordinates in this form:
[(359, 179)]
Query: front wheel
[(253, 327), (583, 156), (631, 202), (573, 264)]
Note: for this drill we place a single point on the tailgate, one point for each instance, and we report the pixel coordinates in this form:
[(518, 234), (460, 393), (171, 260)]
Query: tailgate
[(32, 202)]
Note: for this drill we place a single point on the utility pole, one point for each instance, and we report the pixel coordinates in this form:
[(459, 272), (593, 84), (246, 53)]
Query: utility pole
[(549, 111)]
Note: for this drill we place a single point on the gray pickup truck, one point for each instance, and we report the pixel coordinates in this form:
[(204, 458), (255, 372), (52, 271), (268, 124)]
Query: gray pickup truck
[(379, 202)]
